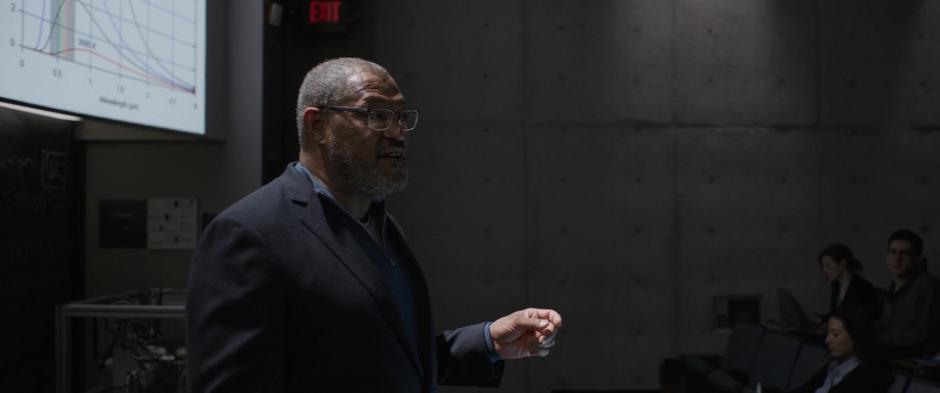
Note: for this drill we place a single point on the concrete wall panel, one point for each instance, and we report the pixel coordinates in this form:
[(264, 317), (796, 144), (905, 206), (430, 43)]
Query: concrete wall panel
[(598, 61), (918, 82), (878, 63), (601, 252), (748, 211), (621, 350), (736, 63), (456, 61)]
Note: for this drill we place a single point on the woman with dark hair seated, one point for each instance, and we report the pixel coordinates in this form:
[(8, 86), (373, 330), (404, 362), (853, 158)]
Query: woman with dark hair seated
[(857, 364), (849, 288)]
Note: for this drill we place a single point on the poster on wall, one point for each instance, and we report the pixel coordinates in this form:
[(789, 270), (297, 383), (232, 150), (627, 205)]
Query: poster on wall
[(171, 223)]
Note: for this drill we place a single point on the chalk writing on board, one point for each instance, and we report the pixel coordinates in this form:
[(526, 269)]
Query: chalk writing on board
[(31, 186)]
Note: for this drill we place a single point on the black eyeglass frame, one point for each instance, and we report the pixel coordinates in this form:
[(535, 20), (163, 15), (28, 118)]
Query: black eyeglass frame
[(368, 112)]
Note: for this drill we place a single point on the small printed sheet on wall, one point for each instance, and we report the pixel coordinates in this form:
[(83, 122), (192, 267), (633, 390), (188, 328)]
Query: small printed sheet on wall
[(171, 223)]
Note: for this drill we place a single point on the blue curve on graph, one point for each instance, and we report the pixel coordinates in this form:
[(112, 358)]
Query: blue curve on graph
[(142, 64)]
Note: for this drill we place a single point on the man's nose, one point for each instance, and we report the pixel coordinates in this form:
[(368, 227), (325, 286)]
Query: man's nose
[(394, 131)]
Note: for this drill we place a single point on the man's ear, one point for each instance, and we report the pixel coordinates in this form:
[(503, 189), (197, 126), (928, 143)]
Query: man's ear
[(312, 121)]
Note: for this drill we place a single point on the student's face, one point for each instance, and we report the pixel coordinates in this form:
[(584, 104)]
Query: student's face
[(838, 341), (831, 268), (901, 259)]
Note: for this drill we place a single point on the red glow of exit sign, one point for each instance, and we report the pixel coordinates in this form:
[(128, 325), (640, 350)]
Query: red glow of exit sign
[(324, 12)]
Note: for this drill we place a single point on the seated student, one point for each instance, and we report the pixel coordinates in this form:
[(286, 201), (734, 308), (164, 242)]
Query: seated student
[(849, 288), (911, 323), (857, 364)]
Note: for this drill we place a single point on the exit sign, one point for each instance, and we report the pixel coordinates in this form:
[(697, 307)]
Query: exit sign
[(326, 16), (325, 12), (329, 16)]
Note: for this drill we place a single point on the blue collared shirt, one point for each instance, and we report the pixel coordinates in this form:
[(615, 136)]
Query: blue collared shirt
[(376, 227)]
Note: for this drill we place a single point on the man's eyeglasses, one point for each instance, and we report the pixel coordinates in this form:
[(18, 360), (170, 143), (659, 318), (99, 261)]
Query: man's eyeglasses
[(380, 119)]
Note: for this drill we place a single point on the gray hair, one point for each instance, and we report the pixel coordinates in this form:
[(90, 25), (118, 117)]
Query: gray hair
[(328, 84)]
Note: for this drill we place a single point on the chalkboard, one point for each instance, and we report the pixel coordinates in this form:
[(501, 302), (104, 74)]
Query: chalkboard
[(38, 260)]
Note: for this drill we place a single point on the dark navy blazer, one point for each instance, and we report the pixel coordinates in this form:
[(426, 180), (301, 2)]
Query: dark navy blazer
[(282, 298)]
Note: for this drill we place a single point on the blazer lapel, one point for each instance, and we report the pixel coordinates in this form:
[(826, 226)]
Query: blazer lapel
[(326, 224)]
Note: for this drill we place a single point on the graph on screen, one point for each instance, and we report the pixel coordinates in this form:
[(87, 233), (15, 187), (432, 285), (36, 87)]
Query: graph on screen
[(137, 61)]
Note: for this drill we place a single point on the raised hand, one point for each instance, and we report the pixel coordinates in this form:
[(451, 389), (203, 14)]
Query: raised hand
[(525, 333)]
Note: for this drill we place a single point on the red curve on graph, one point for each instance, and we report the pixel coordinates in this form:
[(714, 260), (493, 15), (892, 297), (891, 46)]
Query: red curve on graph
[(105, 58)]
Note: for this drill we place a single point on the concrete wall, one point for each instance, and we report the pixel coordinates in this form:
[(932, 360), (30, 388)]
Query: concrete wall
[(127, 163), (627, 161)]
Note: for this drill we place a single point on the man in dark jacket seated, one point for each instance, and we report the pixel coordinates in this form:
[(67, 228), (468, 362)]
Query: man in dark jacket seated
[(911, 323)]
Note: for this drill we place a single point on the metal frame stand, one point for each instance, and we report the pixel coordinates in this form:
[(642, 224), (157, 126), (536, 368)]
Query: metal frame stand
[(104, 307)]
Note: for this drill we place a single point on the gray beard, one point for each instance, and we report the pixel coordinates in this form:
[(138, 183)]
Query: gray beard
[(366, 179)]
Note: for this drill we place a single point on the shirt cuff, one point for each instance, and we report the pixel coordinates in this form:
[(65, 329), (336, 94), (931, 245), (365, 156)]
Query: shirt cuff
[(494, 357)]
